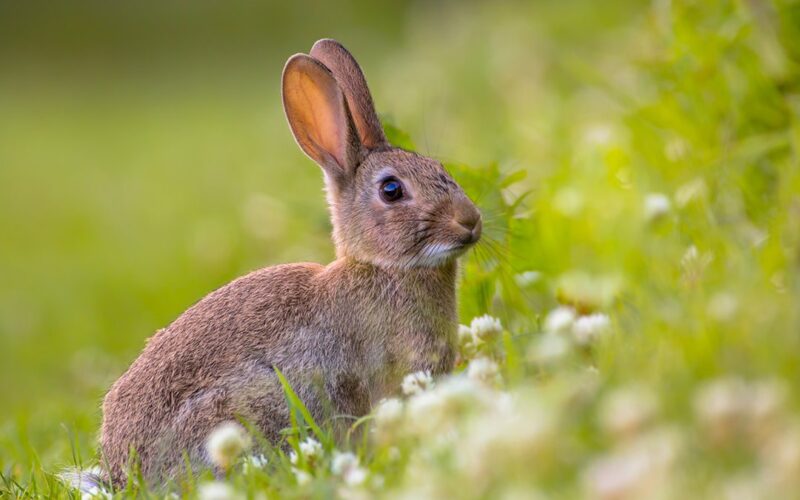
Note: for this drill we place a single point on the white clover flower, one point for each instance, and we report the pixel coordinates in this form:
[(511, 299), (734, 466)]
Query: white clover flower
[(527, 278), (217, 490), (499, 439), (482, 329), (436, 411), (389, 412), (254, 462), (310, 448), (721, 405), (461, 391), (302, 477), (635, 471), (484, 370), (656, 206), (549, 349), (504, 402), (225, 443), (587, 329), (425, 410), (355, 476), (341, 462), (417, 382), (559, 320), (464, 333), (347, 466), (486, 327), (468, 342), (628, 410)]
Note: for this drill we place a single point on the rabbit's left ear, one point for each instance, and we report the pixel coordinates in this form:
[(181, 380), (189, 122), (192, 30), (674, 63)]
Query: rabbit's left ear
[(351, 79), (319, 117)]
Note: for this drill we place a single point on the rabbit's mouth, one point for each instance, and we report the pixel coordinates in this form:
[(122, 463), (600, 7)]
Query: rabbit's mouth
[(437, 254)]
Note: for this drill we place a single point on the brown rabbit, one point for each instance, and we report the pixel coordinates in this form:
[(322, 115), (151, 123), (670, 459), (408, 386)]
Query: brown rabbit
[(344, 334)]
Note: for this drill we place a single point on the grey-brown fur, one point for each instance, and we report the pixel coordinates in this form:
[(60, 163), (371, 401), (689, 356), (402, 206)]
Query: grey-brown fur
[(345, 333)]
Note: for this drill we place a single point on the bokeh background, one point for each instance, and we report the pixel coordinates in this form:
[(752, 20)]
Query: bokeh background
[(145, 160)]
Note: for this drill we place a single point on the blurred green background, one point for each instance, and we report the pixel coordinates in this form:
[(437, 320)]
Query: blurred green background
[(145, 160)]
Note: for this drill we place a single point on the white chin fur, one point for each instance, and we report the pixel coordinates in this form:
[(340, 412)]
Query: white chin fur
[(434, 254)]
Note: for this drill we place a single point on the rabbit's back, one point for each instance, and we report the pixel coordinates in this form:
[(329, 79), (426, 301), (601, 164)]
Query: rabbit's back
[(213, 363)]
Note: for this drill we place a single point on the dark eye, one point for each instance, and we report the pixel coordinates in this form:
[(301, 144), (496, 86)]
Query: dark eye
[(391, 190)]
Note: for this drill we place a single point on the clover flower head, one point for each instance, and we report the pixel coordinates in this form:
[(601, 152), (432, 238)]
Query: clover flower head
[(302, 477), (486, 327), (355, 476), (217, 490), (549, 349), (225, 443), (719, 402), (254, 462), (484, 370), (347, 466), (501, 437), (310, 448), (559, 320), (588, 328), (389, 412), (417, 382), (464, 333), (656, 206)]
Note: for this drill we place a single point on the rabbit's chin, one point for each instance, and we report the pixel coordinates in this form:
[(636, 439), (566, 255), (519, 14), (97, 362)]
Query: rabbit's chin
[(437, 254)]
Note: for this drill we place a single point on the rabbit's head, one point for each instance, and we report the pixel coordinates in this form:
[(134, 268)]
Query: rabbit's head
[(390, 207)]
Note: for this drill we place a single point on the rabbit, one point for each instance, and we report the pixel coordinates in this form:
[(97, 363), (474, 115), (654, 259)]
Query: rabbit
[(343, 334)]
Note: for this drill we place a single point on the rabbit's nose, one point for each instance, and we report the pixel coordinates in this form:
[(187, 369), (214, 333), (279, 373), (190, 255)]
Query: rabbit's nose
[(470, 220)]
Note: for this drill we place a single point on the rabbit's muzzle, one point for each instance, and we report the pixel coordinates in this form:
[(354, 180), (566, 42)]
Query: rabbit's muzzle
[(467, 223)]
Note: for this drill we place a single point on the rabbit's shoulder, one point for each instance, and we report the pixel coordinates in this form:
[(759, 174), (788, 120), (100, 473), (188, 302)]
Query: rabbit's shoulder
[(270, 296)]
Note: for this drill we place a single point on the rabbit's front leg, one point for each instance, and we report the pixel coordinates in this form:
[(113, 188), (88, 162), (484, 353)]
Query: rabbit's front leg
[(428, 350), (350, 399)]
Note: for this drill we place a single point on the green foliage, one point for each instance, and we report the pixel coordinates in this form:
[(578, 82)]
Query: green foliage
[(637, 167)]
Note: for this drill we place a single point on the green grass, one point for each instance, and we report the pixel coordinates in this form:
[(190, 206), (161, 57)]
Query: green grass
[(131, 186)]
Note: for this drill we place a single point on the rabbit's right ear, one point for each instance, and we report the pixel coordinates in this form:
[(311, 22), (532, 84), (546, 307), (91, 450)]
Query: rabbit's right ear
[(351, 79), (318, 115)]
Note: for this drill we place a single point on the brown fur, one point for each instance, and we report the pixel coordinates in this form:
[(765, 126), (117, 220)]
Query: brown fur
[(344, 334)]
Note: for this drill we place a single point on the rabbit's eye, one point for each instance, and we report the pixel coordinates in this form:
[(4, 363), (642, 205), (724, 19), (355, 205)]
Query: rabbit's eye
[(391, 190)]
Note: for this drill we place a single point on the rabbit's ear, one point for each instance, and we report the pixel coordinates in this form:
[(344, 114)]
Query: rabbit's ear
[(351, 79), (317, 112)]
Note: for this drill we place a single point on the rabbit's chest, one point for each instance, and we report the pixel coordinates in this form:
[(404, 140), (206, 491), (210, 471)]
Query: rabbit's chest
[(406, 347), (399, 327)]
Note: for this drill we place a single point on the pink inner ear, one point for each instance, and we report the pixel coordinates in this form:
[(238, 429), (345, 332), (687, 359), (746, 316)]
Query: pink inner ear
[(320, 117)]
